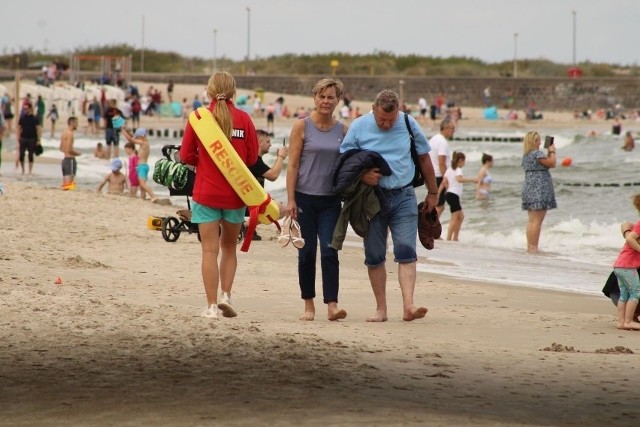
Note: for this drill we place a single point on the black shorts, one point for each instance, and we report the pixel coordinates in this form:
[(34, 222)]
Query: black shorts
[(112, 136), (442, 197), (69, 166), (454, 202)]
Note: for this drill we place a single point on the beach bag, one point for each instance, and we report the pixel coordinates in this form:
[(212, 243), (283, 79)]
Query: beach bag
[(418, 180), (173, 175)]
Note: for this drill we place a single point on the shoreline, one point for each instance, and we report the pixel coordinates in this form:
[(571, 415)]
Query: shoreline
[(120, 341)]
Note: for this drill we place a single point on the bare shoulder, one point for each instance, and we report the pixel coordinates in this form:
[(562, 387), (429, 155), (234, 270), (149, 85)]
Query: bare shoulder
[(297, 130)]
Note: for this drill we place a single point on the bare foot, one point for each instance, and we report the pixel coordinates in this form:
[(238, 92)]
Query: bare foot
[(336, 314), (415, 313), (620, 326), (632, 326), (308, 315), (379, 317), (153, 199)]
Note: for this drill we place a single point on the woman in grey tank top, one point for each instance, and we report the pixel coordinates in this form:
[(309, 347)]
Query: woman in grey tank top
[(313, 148)]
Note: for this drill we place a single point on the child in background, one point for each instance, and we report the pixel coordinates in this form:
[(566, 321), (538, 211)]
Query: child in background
[(130, 149), (626, 269), (483, 188), (140, 138), (116, 179), (99, 152), (452, 184)]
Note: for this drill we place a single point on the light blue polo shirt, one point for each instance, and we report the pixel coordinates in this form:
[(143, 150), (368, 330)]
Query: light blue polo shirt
[(394, 145)]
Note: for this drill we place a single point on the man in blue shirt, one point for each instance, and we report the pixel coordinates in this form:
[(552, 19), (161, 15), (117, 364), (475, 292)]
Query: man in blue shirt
[(384, 131)]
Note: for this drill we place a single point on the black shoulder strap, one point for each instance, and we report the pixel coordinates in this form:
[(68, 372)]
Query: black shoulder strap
[(406, 121), (414, 152)]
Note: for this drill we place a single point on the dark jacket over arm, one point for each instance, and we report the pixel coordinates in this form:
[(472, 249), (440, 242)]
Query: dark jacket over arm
[(361, 202)]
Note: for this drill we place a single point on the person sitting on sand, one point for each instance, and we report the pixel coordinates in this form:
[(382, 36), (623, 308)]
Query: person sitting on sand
[(116, 179), (626, 269), (99, 152), (140, 138)]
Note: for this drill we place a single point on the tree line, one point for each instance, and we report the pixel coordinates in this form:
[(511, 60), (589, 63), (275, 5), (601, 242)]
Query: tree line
[(378, 63)]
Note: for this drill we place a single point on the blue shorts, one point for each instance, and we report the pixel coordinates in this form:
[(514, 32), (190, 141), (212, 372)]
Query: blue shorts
[(398, 213), (629, 284), (143, 171), (202, 214)]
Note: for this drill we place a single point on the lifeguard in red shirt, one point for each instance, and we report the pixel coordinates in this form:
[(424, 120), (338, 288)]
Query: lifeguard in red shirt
[(216, 208)]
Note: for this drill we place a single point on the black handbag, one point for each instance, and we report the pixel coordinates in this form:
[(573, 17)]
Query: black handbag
[(418, 179)]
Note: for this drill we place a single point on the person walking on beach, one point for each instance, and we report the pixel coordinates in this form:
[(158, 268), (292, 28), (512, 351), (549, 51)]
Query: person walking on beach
[(626, 270), (483, 189), (170, 91), (134, 182), (140, 138), (40, 110), (314, 146), (384, 131), (216, 207), (29, 133), (440, 156), (538, 195), (452, 186), (7, 112), (111, 134), (53, 116), (69, 164)]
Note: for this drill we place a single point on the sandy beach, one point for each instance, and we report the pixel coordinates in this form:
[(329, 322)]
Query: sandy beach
[(120, 340)]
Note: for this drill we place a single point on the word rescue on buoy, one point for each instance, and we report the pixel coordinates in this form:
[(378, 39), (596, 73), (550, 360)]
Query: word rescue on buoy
[(231, 171)]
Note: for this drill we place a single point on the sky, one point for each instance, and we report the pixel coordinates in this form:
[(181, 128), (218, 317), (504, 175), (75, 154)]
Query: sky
[(491, 30)]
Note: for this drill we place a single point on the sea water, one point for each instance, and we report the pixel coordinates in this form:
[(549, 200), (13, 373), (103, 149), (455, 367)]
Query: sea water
[(580, 239)]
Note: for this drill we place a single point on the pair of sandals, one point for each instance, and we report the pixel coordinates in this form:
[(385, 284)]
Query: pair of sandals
[(290, 233)]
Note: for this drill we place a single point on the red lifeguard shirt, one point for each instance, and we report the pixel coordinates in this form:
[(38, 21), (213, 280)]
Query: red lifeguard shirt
[(211, 188)]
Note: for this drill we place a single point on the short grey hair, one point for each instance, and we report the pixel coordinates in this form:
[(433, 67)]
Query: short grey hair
[(388, 100), (446, 122)]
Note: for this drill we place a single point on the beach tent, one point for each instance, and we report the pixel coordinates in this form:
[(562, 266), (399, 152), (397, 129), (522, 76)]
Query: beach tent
[(171, 110), (490, 113)]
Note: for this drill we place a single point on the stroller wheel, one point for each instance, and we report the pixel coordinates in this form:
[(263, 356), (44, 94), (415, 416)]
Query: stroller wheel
[(243, 231), (170, 229)]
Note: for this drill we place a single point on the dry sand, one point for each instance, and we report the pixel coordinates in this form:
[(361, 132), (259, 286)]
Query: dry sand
[(120, 341)]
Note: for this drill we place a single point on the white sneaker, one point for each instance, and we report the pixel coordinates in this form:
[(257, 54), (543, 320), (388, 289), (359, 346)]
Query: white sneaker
[(225, 305), (211, 312)]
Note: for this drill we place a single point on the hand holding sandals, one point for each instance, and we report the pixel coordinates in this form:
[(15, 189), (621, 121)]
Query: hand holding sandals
[(290, 233)]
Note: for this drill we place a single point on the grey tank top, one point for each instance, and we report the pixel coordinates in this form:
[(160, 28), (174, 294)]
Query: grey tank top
[(320, 149)]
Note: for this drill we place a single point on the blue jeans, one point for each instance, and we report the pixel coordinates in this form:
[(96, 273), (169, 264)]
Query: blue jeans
[(317, 216), (398, 213)]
